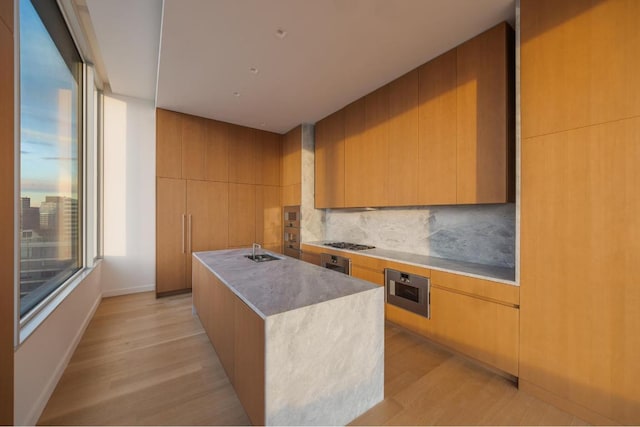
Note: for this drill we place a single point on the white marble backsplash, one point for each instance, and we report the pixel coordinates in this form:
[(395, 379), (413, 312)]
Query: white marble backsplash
[(483, 234), (312, 225)]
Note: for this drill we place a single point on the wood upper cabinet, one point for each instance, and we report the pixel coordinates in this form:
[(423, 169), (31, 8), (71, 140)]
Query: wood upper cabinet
[(216, 157), (437, 152), (168, 144), (291, 167), (582, 59), (484, 131), (171, 248), (242, 215), (402, 154), (242, 155), (269, 147), (329, 161), (366, 140), (194, 143)]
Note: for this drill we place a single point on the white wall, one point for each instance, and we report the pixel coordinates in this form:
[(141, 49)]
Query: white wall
[(40, 361), (129, 196)]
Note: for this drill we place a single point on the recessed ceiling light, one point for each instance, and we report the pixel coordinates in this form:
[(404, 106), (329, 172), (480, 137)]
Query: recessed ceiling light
[(280, 33), (263, 124), (254, 70), (236, 93)]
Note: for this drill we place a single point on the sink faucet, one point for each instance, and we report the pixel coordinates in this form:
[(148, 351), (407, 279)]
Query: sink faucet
[(253, 250)]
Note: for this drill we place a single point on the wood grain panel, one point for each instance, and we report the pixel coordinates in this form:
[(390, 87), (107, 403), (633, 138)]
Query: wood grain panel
[(482, 143), (365, 147), (373, 276), (330, 161), (268, 216), (194, 144), (6, 15), (7, 193), (291, 195), (168, 144), (208, 205), (402, 154), (216, 157), (438, 131), (249, 377), (268, 160), (242, 215), (579, 293), (242, 155), (500, 292), (170, 235), (223, 325), (311, 257), (579, 63), (292, 157)]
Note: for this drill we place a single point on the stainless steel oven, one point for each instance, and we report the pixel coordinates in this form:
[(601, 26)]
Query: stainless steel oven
[(408, 291), (291, 227), (336, 263)]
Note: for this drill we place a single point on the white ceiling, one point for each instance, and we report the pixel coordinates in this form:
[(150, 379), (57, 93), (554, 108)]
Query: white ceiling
[(128, 34), (334, 52)]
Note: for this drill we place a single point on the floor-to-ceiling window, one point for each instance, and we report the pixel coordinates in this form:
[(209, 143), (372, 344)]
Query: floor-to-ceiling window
[(51, 153)]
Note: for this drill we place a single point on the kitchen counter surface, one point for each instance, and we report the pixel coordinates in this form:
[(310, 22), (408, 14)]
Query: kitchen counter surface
[(481, 271), (275, 287)]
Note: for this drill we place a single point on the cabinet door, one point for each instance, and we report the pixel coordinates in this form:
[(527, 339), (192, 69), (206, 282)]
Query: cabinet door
[(402, 159), (168, 144), (366, 135), (242, 215), (329, 161), (193, 147), (216, 158), (170, 235), (437, 121), (242, 155), (268, 216), (268, 164), (482, 147), (207, 207)]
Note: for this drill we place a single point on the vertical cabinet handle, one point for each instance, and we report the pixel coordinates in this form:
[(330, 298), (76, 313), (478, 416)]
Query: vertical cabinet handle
[(183, 218), (189, 233)]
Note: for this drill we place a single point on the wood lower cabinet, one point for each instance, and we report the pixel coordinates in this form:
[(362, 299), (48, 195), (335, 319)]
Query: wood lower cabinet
[(171, 250), (311, 257), (237, 334)]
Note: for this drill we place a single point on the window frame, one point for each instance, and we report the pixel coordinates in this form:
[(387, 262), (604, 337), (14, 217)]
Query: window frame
[(90, 125)]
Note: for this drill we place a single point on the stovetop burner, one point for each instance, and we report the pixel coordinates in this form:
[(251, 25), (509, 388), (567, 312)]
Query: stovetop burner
[(349, 246)]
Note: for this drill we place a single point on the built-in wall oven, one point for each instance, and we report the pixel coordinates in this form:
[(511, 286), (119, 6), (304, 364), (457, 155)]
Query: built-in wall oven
[(336, 263), (291, 237), (408, 291)]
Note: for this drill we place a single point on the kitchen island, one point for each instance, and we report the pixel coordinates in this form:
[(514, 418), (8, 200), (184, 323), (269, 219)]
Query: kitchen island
[(301, 344)]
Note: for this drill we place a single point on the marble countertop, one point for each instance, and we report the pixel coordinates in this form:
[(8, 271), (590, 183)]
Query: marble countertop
[(480, 271), (275, 287)]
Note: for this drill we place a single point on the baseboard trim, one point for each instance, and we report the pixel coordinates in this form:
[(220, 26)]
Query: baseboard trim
[(127, 291), (567, 405), (47, 391)]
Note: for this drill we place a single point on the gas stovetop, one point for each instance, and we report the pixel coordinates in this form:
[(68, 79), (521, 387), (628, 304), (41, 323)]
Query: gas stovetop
[(349, 246)]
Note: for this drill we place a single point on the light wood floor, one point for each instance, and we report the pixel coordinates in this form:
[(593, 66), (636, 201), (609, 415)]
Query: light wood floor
[(144, 361)]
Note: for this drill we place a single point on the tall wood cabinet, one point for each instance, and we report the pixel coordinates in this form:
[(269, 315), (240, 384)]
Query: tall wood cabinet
[(217, 186), (580, 211), (441, 134)]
